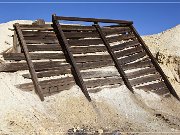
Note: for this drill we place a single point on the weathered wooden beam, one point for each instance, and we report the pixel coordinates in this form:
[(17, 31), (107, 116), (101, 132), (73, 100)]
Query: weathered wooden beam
[(115, 60), (29, 62), (69, 57), (93, 20), (155, 63)]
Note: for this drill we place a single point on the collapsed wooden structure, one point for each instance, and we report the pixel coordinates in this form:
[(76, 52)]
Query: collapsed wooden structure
[(71, 50)]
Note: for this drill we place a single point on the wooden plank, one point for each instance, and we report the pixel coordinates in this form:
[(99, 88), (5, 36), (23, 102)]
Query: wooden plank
[(161, 91), (103, 82), (46, 84), (34, 56), (84, 42), (155, 63), (131, 58), (141, 72), (39, 56), (75, 50), (71, 35), (114, 58), (93, 20), (62, 71), (120, 38), (41, 34), (39, 66), (116, 30), (153, 86), (125, 45), (139, 64), (48, 40), (29, 62), (129, 51), (49, 73), (69, 57), (145, 79)]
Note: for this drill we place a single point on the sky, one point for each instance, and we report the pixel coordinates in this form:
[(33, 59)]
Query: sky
[(148, 18)]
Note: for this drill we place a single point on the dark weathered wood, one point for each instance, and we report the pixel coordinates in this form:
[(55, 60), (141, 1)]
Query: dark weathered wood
[(48, 73), (131, 58), (93, 20), (141, 72), (115, 60), (153, 86), (40, 34), (74, 50), (98, 74), (69, 57), (103, 82), (81, 34), (77, 28), (139, 64), (145, 79), (117, 30), (29, 62), (120, 38), (155, 63), (125, 45), (41, 41), (47, 84), (34, 56), (129, 51), (39, 66), (84, 42), (161, 91)]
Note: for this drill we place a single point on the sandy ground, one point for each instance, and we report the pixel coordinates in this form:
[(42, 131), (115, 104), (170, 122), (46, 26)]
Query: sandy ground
[(111, 111)]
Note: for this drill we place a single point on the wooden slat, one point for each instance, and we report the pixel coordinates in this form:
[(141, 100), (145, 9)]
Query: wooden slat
[(74, 50), (81, 34), (125, 45), (141, 72), (38, 34), (103, 82), (145, 79), (85, 42), (46, 84), (31, 40), (12, 67), (161, 91), (39, 56), (131, 58), (117, 30), (36, 27), (153, 86), (34, 56), (120, 38), (49, 73), (139, 64), (129, 51)]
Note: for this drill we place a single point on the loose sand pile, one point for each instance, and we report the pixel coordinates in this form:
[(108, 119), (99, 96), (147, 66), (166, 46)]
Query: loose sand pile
[(111, 109)]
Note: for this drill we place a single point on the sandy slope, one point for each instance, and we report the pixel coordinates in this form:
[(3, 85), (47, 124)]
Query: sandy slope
[(112, 109)]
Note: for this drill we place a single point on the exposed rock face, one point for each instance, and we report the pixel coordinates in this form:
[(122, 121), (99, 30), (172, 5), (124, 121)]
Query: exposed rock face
[(165, 47)]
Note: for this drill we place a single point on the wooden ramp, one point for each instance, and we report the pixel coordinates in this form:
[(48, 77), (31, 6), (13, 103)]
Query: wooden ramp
[(76, 52)]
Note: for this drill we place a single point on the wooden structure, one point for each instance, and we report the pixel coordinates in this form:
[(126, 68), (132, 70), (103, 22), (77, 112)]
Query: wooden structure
[(71, 50)]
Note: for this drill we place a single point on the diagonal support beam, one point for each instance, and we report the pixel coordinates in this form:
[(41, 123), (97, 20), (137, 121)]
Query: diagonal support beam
[(29, 61), (69, 57), (117, 64), (155, 63)]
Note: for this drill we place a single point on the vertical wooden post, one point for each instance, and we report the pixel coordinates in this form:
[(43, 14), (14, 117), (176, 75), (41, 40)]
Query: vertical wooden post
[(155, 63), (29, 61), (69, 57), (117, 64), (16, 47)]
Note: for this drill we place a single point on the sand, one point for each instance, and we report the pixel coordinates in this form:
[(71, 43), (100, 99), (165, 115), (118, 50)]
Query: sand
[(112, 109)]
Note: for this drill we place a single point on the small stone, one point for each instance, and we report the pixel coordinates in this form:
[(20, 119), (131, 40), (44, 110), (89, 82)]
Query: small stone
[(100, 131)]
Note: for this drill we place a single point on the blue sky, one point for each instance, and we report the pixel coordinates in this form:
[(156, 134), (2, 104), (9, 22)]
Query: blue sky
[(147, 18)]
